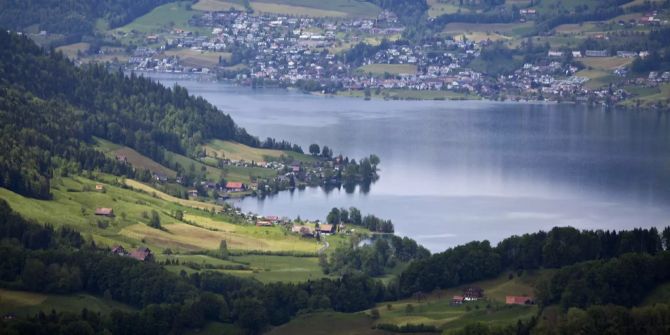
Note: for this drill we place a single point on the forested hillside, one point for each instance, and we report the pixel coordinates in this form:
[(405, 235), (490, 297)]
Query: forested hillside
[(71, 17), (50, 110)]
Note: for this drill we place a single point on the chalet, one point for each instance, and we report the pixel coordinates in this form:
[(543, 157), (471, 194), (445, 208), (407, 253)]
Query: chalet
[(193, 193), (235, 186), (119, 251), (597, 53), (457, 300), (473, 293), (142, 254), (519, 300), (104, 212), (326, 229), (99, 187)]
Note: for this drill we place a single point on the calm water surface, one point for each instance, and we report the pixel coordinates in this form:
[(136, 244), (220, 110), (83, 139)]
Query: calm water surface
[(453, 172)]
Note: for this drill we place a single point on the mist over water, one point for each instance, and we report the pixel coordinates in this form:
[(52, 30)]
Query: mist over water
[(454, 171)]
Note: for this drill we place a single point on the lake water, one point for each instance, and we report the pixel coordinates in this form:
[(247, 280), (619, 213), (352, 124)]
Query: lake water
[(452, 172)]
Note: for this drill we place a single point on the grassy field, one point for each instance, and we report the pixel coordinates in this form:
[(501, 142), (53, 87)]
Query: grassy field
[(328, 323), (163, 196), (441, 7), (331, 8), (134, 158), (29, 303), (237, 151), (605, 63), (196, 58), (437, 310), (161, 18), (217, 5), (506, 29), (597, 78), (230, 173), (71, 50), (380, 69), (650, 96)]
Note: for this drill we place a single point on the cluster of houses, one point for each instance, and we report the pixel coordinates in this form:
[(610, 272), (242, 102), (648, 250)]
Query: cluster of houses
[(474, 293)]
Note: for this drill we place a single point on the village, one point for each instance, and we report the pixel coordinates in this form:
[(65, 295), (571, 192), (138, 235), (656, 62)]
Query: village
[(310, 53)]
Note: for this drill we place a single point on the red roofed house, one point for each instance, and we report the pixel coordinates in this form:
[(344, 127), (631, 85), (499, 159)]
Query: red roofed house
[(234, 186), (263, 223), (457, 300), (518, 300), (142, 254), (104, 212)]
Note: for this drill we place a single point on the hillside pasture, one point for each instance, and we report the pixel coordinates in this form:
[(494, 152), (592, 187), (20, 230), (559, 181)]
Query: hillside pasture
[(72, 50), (605, 63), (135, 159), (380, 69), (309, 8), (217, 5), (436, 309), (30, 303), (506, 29), (237, 151), (198, 58), (162, 18), (441, 7)]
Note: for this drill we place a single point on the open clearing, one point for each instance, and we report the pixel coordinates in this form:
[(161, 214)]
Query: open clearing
[(71, 50), (605, 63), (29, 303), (380, 69), (507, 29), (197, 58), (441, 7), (331, 8), (217, 5), (168, 16), (134, 158), (236, 151)]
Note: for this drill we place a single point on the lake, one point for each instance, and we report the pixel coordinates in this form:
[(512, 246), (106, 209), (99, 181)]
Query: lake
[(452, 171)]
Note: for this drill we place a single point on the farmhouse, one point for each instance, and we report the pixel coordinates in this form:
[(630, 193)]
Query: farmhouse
[(232, 186), (518, 300), (142, 254), (119, 251), (457, 300), (104, 212), (473, 293), (326, 229)]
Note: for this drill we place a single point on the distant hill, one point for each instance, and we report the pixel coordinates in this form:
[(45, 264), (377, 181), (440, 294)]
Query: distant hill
[(50, 110), (72, 18)]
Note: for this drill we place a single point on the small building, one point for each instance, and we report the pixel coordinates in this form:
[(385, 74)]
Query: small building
[(104, 212), (597, 53), (473, 293), (555, 53), (119, 251), (519, 300), (457, 300), (142, 254), (232, 186), (159, 177), (326, 229), (264, 223), (272, 218), (295, 168), (626, 54), (303, 231), (99, 187), (193, 193), (577, 54)]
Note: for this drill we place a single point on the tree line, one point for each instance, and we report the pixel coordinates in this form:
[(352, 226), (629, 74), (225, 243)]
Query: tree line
[(562, 246)]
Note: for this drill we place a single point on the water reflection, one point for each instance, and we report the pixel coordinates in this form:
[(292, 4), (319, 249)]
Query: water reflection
[(456, 171)]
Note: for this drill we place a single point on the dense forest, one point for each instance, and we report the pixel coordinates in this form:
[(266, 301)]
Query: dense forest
[(554, 249), (50, 111), (73, 18)]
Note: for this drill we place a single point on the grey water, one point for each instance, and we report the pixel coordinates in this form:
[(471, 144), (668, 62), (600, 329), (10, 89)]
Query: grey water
[(453, 171)]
